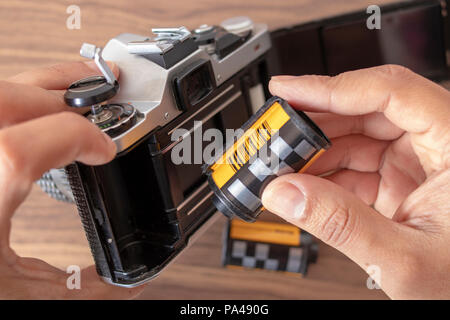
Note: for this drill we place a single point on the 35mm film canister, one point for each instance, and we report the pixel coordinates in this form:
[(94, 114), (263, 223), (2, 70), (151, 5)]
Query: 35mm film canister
[(277, 140)]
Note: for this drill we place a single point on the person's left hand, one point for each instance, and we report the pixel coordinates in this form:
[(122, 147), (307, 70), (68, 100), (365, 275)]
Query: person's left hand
[(38, 132)]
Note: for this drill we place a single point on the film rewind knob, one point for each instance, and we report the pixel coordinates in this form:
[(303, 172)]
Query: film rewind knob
[(93, 91)]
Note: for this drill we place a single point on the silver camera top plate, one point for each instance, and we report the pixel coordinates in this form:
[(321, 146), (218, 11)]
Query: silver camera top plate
[(148, 86)]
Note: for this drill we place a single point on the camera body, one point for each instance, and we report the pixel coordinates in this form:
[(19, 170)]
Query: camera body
[(140, 210)]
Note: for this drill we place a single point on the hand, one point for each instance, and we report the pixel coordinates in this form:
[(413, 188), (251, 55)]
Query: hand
[(390, 130), (37, 132)]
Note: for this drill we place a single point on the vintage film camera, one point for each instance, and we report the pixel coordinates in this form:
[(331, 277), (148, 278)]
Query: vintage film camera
[(140, 210)]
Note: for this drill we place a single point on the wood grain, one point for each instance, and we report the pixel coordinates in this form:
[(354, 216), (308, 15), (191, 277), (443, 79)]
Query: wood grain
[(34, 34)]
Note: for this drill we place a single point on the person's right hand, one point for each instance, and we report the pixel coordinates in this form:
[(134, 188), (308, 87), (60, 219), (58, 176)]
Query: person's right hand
[(390, 130)]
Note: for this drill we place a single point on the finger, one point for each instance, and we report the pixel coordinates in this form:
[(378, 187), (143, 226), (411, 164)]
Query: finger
[(23, 97), (374, 125), (410, 101), (60, 76), (20, 102), (362, 184), (356, 152), (56, 141), (29, 149), (337, 217)]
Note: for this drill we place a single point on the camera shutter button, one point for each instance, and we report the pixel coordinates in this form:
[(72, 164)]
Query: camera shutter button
[(203, 28)]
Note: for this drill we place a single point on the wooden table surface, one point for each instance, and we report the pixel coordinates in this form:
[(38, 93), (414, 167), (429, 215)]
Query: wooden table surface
[(34, 33)]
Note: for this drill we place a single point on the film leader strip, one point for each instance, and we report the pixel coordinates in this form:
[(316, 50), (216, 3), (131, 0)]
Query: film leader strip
[(269, 246), (273, 146)]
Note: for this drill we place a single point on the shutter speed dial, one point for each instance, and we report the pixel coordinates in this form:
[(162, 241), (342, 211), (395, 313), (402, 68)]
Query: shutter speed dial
[(113, 118)]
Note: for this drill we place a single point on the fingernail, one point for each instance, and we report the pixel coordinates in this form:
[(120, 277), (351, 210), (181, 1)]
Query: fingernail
[(277, 85), (282, 78), (284, 199)]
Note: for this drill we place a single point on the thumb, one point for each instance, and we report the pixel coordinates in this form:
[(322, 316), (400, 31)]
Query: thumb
[(333, 215)]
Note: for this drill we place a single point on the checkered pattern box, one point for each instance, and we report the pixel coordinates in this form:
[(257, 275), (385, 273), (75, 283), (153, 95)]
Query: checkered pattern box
[(269, 246)]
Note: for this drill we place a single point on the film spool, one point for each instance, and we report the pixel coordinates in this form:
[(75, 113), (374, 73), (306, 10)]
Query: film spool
[(277, 140)]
